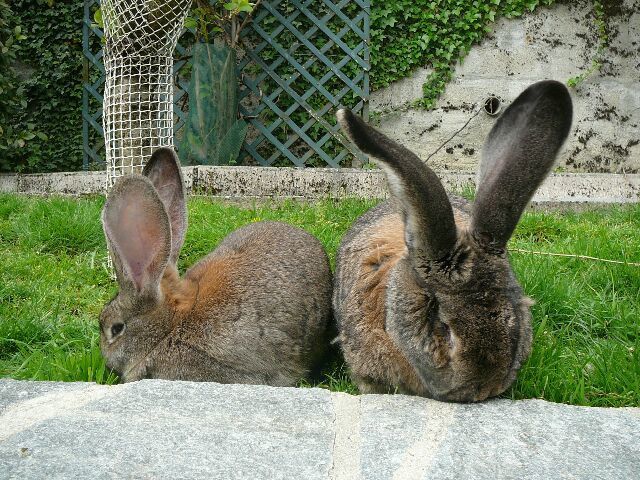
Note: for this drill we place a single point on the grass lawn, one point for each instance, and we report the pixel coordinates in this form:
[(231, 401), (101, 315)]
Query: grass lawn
[(53, 283)]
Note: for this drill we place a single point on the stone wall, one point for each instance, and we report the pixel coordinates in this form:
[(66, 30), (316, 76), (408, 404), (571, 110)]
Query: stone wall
[(269, 183), (552, 43)]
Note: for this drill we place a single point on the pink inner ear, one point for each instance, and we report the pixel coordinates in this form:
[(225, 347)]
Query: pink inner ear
[(139, 239), (166, 191)]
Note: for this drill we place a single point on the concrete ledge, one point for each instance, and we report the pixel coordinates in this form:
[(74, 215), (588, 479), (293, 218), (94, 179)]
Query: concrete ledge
[(67, 183), (317, 183), (161, 429)]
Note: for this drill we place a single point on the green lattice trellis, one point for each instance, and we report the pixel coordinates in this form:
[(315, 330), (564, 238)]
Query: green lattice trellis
[(310, 57), (302, 60), (93, 86)]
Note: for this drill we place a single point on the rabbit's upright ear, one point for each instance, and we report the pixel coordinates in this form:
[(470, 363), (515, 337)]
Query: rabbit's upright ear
[(430, 230), (163, 169), (137, 228), (517, 156)]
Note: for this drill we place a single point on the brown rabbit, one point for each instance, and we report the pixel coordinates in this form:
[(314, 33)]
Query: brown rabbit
[(425, 298), (255, 310)]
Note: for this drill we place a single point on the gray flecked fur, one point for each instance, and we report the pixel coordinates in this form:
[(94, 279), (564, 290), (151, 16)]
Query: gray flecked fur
[(425, 298)]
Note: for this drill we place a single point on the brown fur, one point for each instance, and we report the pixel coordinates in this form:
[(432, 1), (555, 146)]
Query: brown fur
[(425, 298), (374, 269), (255, 310), (180, 294), (378, 356)]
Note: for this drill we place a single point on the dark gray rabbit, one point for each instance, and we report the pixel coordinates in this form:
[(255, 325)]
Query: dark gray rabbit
[(255, 310), (425, 298)]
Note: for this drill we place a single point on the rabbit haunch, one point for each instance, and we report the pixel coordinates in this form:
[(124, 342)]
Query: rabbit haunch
[(255, 310), (425, 298)]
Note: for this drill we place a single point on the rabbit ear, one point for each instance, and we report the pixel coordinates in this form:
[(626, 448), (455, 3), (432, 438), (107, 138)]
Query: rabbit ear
[(137, 228), (517, 156), (163, 169), (430, 230)]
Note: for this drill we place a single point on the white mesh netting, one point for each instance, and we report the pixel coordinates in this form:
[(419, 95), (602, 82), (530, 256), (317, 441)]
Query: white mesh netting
[(141, 36)]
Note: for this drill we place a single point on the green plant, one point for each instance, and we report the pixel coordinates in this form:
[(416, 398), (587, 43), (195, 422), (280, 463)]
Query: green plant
[(603, 41), (14, 136), (45, 102), (213, 133), (213, 18), (407, 34)]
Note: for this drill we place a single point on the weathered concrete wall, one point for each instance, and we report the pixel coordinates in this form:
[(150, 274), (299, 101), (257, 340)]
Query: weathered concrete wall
[(552, 43), (319, 183)]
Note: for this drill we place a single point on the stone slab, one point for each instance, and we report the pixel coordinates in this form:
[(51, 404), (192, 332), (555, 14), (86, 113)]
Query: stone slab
[(530, 439), (161, 429), (66, 183)]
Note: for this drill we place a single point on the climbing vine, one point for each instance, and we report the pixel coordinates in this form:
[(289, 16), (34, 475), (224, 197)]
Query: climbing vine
[(14, 136), (603, 41), (407, 34), (46, 104)]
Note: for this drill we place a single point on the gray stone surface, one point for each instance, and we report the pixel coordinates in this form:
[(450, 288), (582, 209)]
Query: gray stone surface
[(319, 183), (9, 183), (68, 183), (551, 43), (530, 439), (157, 429), (160, 429)]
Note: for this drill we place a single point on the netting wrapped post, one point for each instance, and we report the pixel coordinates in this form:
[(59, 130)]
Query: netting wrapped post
[(141, 36)]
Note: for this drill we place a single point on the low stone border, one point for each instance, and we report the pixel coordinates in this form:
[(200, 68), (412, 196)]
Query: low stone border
[(161, 429), (317, 183)]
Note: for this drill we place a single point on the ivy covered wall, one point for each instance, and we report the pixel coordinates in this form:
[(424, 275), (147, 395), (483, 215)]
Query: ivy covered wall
[(407, 34), (565, 42), (46, 65)]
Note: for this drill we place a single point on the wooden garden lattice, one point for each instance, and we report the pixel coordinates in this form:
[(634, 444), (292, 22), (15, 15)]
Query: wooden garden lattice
[(309, 57), (93, 85)]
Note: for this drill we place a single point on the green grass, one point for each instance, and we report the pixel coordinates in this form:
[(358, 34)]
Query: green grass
[(54, 281)]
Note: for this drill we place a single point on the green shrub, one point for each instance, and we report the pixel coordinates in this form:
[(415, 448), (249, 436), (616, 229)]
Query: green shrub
[(14, 137), (46, 102)]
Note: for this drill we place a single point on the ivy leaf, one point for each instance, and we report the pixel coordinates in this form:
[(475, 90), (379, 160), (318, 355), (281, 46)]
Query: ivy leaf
[(190, 23), (97, 17), (245, 6)]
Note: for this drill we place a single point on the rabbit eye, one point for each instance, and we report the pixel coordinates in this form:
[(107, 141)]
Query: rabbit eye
[(117, 329)]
